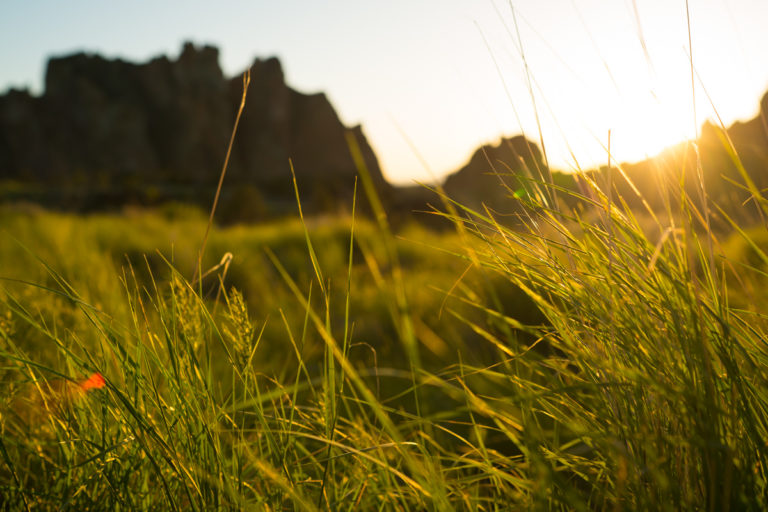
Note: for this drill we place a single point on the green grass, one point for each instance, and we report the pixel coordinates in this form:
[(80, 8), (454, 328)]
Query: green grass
[(328, 364), (588, 358), (85, 294)]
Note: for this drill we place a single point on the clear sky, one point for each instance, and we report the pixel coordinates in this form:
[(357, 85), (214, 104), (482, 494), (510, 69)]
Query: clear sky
[(444, 76)]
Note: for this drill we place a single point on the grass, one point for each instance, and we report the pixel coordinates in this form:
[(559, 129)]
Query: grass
[(286, 379)]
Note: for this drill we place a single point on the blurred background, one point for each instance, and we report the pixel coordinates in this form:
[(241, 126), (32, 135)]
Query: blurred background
[(446, 76)]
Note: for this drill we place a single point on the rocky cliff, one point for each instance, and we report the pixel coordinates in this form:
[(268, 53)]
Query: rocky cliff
[(723, 181), (495, 173), (490, 177), (113, 131)]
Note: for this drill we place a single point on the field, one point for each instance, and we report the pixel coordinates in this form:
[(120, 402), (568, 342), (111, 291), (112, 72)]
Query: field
[(583, 361)]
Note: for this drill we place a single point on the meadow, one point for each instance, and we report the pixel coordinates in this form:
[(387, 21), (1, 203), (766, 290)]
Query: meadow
[(578, 361)]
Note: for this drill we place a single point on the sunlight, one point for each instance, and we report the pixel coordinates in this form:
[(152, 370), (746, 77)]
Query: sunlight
[(645, 124), (635, 83)]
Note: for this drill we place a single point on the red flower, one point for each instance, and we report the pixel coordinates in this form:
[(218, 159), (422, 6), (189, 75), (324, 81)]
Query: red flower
[(95, 381)]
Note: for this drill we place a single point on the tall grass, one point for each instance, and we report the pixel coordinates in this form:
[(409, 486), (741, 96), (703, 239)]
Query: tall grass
[(661, 386), (642, 388)]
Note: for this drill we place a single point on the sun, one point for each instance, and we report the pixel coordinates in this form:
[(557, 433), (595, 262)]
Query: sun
[(644, 118), (652, 122)]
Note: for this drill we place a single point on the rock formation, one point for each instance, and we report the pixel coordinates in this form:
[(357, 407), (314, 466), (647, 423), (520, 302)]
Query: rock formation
[(724, 184), (490, 176), (495, 173), (109, 131), (106, 132)]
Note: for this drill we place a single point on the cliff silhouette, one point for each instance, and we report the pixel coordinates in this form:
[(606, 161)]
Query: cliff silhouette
[(724, 158), (107, 132)]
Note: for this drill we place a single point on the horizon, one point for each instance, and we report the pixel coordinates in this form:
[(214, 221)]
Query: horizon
[(632, 76)]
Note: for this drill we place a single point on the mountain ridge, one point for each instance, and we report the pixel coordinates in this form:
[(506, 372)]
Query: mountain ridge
[(158, 130), (108, 132)]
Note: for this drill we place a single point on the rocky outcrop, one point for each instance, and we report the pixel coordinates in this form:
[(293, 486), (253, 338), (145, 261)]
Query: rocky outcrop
[(724, 184), (493, 173), (119, 131), (750, 140), (496, 174)]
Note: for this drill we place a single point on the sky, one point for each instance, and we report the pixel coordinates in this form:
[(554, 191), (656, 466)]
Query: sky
[(431, 80)]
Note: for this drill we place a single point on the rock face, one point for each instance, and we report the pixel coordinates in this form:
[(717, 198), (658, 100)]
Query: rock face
[(111, 130), (489, 176)]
